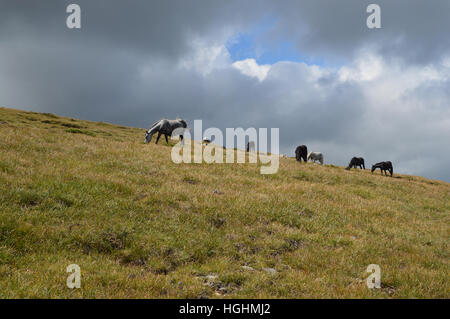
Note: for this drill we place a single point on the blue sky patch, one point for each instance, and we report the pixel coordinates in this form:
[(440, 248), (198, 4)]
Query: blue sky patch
[(254, 44)]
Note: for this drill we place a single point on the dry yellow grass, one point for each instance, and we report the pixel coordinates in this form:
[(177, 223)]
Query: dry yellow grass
[(139, 225)]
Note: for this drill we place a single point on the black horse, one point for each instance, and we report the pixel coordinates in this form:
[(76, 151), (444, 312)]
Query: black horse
[(356, 161), (383, 166), (301, 152)]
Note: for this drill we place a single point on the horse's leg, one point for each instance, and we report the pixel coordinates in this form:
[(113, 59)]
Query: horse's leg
[(167, 141), (157, 139)]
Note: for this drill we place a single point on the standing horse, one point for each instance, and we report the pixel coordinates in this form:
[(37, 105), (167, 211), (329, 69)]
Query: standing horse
[(165, 127), (315, 156), (301, 152), (383, 166), (356, 161)]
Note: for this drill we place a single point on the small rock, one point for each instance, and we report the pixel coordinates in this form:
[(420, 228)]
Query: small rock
[(271, 271), (218, 192), (247, 268)]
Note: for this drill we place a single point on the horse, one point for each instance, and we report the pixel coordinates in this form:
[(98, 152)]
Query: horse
[(301, 153), (315, 156), (165, 127), (356, 161), (383, 166)]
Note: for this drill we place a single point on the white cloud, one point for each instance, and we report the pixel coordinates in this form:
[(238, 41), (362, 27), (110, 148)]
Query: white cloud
[(366, 68), (251, 68)]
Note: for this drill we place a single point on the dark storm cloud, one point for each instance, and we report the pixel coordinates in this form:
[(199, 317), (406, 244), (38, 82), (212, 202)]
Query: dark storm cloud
[(413, 30), (150, 27), (134, 62)]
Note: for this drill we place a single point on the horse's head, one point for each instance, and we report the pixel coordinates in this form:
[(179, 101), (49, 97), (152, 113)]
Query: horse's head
[(148, 136), (373, 168)]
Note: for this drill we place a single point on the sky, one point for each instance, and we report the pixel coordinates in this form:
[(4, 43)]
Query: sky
[(311, 68)]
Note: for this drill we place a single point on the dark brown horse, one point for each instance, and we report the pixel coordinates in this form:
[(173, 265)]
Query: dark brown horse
[(383, 166), (301, 152), (356, 161)]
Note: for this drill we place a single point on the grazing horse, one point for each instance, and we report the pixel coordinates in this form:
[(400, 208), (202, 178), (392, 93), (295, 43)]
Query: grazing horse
[(301, 152), (315, 156), (383, 166), (356, 161), (165, 127)]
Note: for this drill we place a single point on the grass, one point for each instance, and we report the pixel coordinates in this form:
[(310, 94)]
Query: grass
[(140, 226)]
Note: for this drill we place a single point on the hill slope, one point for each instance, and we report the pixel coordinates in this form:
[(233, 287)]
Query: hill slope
[(138, 225)]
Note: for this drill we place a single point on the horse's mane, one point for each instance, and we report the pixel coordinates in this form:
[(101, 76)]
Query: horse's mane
[(154, 124)]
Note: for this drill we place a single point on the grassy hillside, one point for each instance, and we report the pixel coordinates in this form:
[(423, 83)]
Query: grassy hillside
[(138, 225)]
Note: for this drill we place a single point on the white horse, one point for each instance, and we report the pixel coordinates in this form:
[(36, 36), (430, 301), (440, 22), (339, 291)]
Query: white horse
[(315, 156), (165, 127)]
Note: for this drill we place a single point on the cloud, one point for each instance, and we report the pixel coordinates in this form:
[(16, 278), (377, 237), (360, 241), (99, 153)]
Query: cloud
[(204, 57), (251, 68)]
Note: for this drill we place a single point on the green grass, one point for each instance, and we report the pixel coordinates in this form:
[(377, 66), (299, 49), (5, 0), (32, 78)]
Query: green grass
[(138, 225)]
